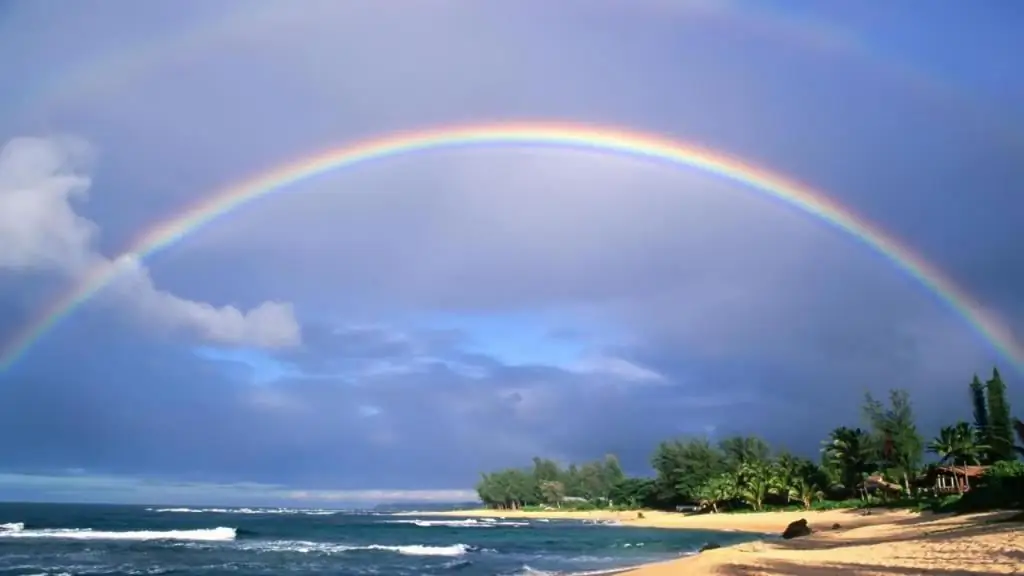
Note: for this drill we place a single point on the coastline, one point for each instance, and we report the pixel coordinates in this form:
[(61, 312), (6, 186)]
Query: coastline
[(772, 523), (884, 542)]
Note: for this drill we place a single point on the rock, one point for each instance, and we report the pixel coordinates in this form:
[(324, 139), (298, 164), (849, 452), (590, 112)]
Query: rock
[(797, 529), (639, 515), (836, 526), (710, 546)]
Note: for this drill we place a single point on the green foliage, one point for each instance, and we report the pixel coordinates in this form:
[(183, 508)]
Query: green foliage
[(755, 482), (740, 451), (1000, 487), (1000, 425), (547, 484), (950, 503), (718, 491), (742, 474), (979, 406), (848, 457), (897, 444), (1018, 427), (682, 466), (958, 444), (634, 493)]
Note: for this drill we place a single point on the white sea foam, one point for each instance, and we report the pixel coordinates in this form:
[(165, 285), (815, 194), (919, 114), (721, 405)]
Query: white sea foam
[(469, 523), (17, 530), (308, 512), (418, 550), (305, 547)]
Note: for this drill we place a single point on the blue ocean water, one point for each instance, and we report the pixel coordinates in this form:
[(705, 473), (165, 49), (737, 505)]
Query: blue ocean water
[(63, 539)]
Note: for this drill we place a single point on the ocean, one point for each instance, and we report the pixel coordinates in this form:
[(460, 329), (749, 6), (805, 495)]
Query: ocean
[(71, 539)]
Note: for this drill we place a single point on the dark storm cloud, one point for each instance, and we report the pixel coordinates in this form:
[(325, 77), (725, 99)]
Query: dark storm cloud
[(157, 410)]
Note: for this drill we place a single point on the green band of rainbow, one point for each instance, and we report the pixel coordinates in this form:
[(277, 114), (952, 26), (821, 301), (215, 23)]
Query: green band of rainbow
[(580, 137)]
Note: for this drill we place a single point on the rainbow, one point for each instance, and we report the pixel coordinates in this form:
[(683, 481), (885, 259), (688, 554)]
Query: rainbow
[(560, 135)]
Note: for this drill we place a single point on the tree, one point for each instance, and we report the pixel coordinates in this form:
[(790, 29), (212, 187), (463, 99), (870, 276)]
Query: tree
[(738, 451), (507, 489), (590, 481), (848, 453), (980, 406), (1019, 427), (611, 474), (545, 470), (1000, 425), (785, 471), (573, 482), (806, 491), (634, 492), (958, 444), (895, 437), (717, 490), (755, 483), (552, 492), (682, 467)]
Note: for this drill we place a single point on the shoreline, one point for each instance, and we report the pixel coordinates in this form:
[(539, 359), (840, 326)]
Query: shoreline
[(760, 523), (883, 543)]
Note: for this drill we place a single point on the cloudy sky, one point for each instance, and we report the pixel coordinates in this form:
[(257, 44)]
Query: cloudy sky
[(389, 330)]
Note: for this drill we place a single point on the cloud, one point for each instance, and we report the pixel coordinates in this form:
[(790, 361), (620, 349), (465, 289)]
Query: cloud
[(40, 231)]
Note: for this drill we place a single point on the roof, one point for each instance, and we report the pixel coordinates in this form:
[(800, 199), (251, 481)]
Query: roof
[(876, 481), (971, 471)]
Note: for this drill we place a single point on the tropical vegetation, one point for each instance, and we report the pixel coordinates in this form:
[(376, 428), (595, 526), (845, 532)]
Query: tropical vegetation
[(883, 462)]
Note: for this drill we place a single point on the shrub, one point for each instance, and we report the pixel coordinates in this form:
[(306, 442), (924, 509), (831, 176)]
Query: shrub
[(1001, 487)]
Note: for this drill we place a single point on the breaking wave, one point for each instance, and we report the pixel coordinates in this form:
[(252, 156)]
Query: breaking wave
[(307, 512), (17, 530), (470, 523), (304, 547)]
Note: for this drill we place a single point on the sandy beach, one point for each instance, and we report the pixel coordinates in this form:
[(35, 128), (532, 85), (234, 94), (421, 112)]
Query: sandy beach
[(886, 543)]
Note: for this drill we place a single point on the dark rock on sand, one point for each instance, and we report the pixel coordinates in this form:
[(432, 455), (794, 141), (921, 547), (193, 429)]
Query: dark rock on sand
[(836, 526), (797, 529)]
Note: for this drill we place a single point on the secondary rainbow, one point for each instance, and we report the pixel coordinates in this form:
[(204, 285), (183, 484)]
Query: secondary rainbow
[(559, 135)]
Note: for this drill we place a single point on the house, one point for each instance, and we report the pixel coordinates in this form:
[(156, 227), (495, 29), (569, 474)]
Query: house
[(948, 479)]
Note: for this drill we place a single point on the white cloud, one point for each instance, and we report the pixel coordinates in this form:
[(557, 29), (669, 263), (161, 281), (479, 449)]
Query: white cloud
[(618, 368), (41, 231)]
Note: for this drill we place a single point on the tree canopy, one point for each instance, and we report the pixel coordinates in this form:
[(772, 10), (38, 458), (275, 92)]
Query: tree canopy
[(744, 471)]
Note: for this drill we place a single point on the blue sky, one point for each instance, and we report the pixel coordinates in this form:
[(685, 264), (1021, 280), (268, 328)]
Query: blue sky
[(389, 331)]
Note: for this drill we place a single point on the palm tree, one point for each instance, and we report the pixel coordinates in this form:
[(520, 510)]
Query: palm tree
[(805, 491), (957, 443), (756, 484), (849, 451), (721, 488), (784, 472)]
